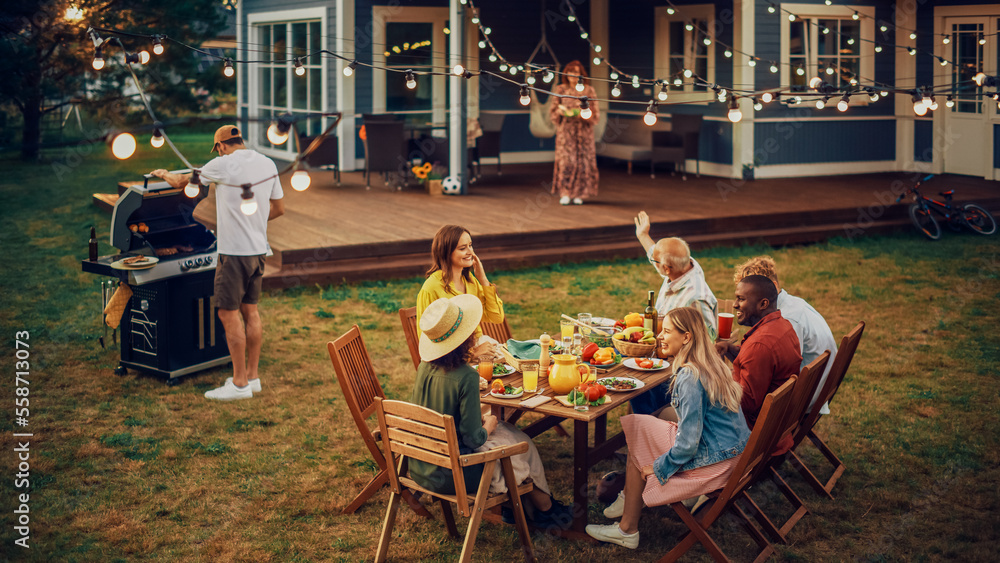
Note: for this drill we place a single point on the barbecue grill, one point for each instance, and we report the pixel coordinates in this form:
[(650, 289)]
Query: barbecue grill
[(170, 327)]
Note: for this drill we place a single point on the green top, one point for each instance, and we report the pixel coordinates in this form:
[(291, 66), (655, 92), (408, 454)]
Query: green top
[(454, 393)]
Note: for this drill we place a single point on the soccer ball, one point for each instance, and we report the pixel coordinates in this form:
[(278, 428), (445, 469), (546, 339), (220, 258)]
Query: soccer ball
[(451, 185)]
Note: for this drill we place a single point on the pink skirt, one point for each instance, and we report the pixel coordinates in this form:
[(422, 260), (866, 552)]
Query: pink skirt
[(648, 438)]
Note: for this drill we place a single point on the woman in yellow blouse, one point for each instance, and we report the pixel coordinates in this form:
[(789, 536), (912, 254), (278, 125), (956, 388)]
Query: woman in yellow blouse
[(456, 270)]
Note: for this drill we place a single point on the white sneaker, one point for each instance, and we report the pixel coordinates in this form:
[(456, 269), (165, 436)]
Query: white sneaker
[(564, 200), (617, 508), (577, 201), (611, 533), (254, 384), (229, 392)]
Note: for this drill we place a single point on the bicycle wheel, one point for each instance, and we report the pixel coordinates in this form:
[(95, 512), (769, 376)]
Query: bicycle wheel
[(924, 221), (978, 219)]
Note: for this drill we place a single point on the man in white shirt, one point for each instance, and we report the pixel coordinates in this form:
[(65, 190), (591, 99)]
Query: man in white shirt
[(815, 336), (240, 174), (684, 285)]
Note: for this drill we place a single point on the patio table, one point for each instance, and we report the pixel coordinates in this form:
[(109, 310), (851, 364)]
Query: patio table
[(585, 456)]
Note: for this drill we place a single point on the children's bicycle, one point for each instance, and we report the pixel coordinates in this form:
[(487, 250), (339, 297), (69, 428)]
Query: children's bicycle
[(970, 215)]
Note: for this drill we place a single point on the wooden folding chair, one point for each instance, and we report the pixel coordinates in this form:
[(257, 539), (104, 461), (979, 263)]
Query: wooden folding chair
[(361, 388), (408, 318), (412, 431), (798, 409), (752, 461), (845, 354), (497, 331)]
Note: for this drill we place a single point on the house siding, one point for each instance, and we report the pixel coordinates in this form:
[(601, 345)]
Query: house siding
[(803, 142), (996, 146), (923, 141)]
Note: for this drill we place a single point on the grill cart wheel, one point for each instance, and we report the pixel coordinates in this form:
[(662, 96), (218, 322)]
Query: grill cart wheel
[(121, 371)]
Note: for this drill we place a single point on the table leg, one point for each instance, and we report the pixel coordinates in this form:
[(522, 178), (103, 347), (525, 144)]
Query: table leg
[(600, 430), (581, 467)]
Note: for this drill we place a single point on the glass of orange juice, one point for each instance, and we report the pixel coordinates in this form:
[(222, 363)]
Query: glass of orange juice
[(486, 369), (566, 329), (530, 372)]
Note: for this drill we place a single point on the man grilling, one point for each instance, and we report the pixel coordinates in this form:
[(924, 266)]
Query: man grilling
[(242, 244)]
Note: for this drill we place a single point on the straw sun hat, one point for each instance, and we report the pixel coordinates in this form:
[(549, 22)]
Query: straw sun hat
[(447, 323)]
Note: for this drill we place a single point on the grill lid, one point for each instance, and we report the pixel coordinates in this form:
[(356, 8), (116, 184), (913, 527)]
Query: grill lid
[(163, 209)]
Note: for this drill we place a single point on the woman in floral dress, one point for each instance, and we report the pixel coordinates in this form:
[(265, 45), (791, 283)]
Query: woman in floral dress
[(575, 177)]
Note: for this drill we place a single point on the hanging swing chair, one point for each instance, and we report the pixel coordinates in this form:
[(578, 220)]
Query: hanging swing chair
[(540, 124)]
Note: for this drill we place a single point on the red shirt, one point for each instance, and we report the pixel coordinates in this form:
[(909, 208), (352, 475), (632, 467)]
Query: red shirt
[(769, 355)]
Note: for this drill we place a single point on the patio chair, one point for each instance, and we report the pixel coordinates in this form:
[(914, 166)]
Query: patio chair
[(677, 145), (497, 331), (848, 346), (751, 462), (798, 408), (385, 150), (408, 318), (415, 432), (361, 388), (488, 145), (326, 156)]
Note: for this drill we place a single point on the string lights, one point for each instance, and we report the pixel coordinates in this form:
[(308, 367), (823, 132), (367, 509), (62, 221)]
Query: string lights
[(193, 187)]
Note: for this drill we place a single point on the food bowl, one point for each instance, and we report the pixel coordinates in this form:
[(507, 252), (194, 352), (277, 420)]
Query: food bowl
[(600, 339), (633, 348)]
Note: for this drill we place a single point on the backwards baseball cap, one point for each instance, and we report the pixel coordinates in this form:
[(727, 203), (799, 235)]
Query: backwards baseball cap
[(225, 133)]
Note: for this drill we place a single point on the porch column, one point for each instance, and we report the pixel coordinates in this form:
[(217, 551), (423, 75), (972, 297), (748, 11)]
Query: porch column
[(743, 40), (344, 31), (599, 35), (457, 153), (906, 72)]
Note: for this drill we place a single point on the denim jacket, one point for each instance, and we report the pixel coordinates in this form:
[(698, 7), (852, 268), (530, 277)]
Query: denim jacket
[(707, 433)]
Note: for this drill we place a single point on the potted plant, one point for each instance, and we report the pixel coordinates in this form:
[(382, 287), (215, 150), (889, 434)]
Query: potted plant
[(430, 176)]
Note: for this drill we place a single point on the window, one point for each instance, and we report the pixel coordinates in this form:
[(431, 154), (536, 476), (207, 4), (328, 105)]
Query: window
[(275, 39), (827, 41), (967, 54), (685, 41), (409, 47)]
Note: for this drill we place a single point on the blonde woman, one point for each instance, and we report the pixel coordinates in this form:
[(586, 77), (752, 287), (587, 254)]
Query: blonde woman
[(671, 462)]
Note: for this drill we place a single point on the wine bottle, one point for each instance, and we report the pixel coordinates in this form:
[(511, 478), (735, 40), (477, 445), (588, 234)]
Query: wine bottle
[(93, 244), (649, 315)]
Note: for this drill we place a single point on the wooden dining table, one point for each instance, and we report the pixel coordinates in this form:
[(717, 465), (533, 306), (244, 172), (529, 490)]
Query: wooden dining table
[(585, 455)]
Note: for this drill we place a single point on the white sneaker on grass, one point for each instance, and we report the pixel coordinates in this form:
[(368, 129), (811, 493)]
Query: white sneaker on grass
[(611, 533), (617, 508), (577, 201), (254, 384), (564, 200), (229, 392)]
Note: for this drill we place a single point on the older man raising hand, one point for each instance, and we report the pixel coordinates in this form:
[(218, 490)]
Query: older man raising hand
[(684, 285)]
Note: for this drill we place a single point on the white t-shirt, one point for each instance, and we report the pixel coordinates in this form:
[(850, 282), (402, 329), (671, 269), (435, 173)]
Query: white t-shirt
[(815, 336), (239, 234)]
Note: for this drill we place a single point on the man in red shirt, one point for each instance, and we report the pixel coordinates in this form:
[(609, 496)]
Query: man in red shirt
[(769, 353)]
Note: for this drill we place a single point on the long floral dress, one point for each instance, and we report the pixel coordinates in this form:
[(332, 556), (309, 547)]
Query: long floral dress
[(575, 173)]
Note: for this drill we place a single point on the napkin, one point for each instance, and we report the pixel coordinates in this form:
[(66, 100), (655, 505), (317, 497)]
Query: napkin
[(523, 350)]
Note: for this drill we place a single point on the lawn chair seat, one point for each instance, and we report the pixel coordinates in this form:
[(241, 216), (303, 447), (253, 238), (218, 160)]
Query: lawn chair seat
[(848, 346), (752, 461), (408, 318), (361, 388), (412, 431), (796, 413)]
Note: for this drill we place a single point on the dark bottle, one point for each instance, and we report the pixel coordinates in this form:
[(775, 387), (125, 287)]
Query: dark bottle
[(93, 244), (649, 315)]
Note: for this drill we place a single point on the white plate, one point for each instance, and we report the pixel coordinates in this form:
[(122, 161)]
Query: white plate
[(149, 262), (510, 369), (634, 364), (505, 396), (602, 321), (638, 384)]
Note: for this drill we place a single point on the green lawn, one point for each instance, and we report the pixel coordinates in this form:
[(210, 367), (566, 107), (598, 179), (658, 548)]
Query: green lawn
[(126, 469)]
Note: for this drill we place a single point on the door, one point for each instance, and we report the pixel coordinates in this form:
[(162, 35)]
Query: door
[(967, 142)]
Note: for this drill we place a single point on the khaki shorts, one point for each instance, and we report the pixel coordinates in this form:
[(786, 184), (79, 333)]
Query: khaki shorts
[(238, 280)]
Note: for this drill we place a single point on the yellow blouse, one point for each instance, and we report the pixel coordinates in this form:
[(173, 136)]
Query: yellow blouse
[(434, 289)]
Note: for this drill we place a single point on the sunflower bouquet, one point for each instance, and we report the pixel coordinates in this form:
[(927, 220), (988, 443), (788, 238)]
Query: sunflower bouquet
[(427, 172)]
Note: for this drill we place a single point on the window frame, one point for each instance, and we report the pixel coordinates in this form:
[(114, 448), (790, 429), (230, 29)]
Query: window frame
[(866, 59), (255, 21), (661, 49)]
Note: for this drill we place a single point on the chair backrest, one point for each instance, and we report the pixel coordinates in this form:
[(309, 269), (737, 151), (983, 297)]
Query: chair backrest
[(408, 318), (417, 432), (498, 331), (805, 388), (372, 117), (491, 122), (690, 127), (841, 363), (325, 154), (385, 146), (356, 376)]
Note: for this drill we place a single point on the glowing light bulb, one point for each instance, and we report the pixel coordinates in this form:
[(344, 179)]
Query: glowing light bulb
[(458, 70), (757, 106), (513, 71), (616, 90), (943, 61), (842, 105), (275, 135), (548, 77), (850, 41), (770, 8), (249, 206), (411, 81), (123, 146), (649, 118), (299, 69), (855, 16), (671, 11), (597, 48), (728, 54), (143, 57), (98, 60), (688, 73), (531, 79), (157, 139), (826, 30), (586, 113), (597, 61), (766, 97), (584, 35), (635, 81), (227, 68), (884, 28), (820, 104), (912, 51), (919, 108), (678, 81), (829, 70), (493, 57), (946, 39), (791, 17), (571, 17), (773, 68), (933, 105), (689, 26), (873, 96), (982, 40), (349, 69), (503, 67), (735, 115), (883, 93), (752, 62), (878, 48), (814, 82), (979, 78), (614, 75), (913, 35), (926, 100), (525, 98), (706, 41), (157, 46), (579, 84), (662, 95), (193, 187), (482, 44), (949, 103), (300, 180), (854, 81)]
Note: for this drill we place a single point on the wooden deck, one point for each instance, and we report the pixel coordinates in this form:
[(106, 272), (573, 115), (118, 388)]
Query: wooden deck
[(332, 233)]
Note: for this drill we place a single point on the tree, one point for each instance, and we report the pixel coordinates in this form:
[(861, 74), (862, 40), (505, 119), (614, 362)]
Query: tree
[(46, 56)]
